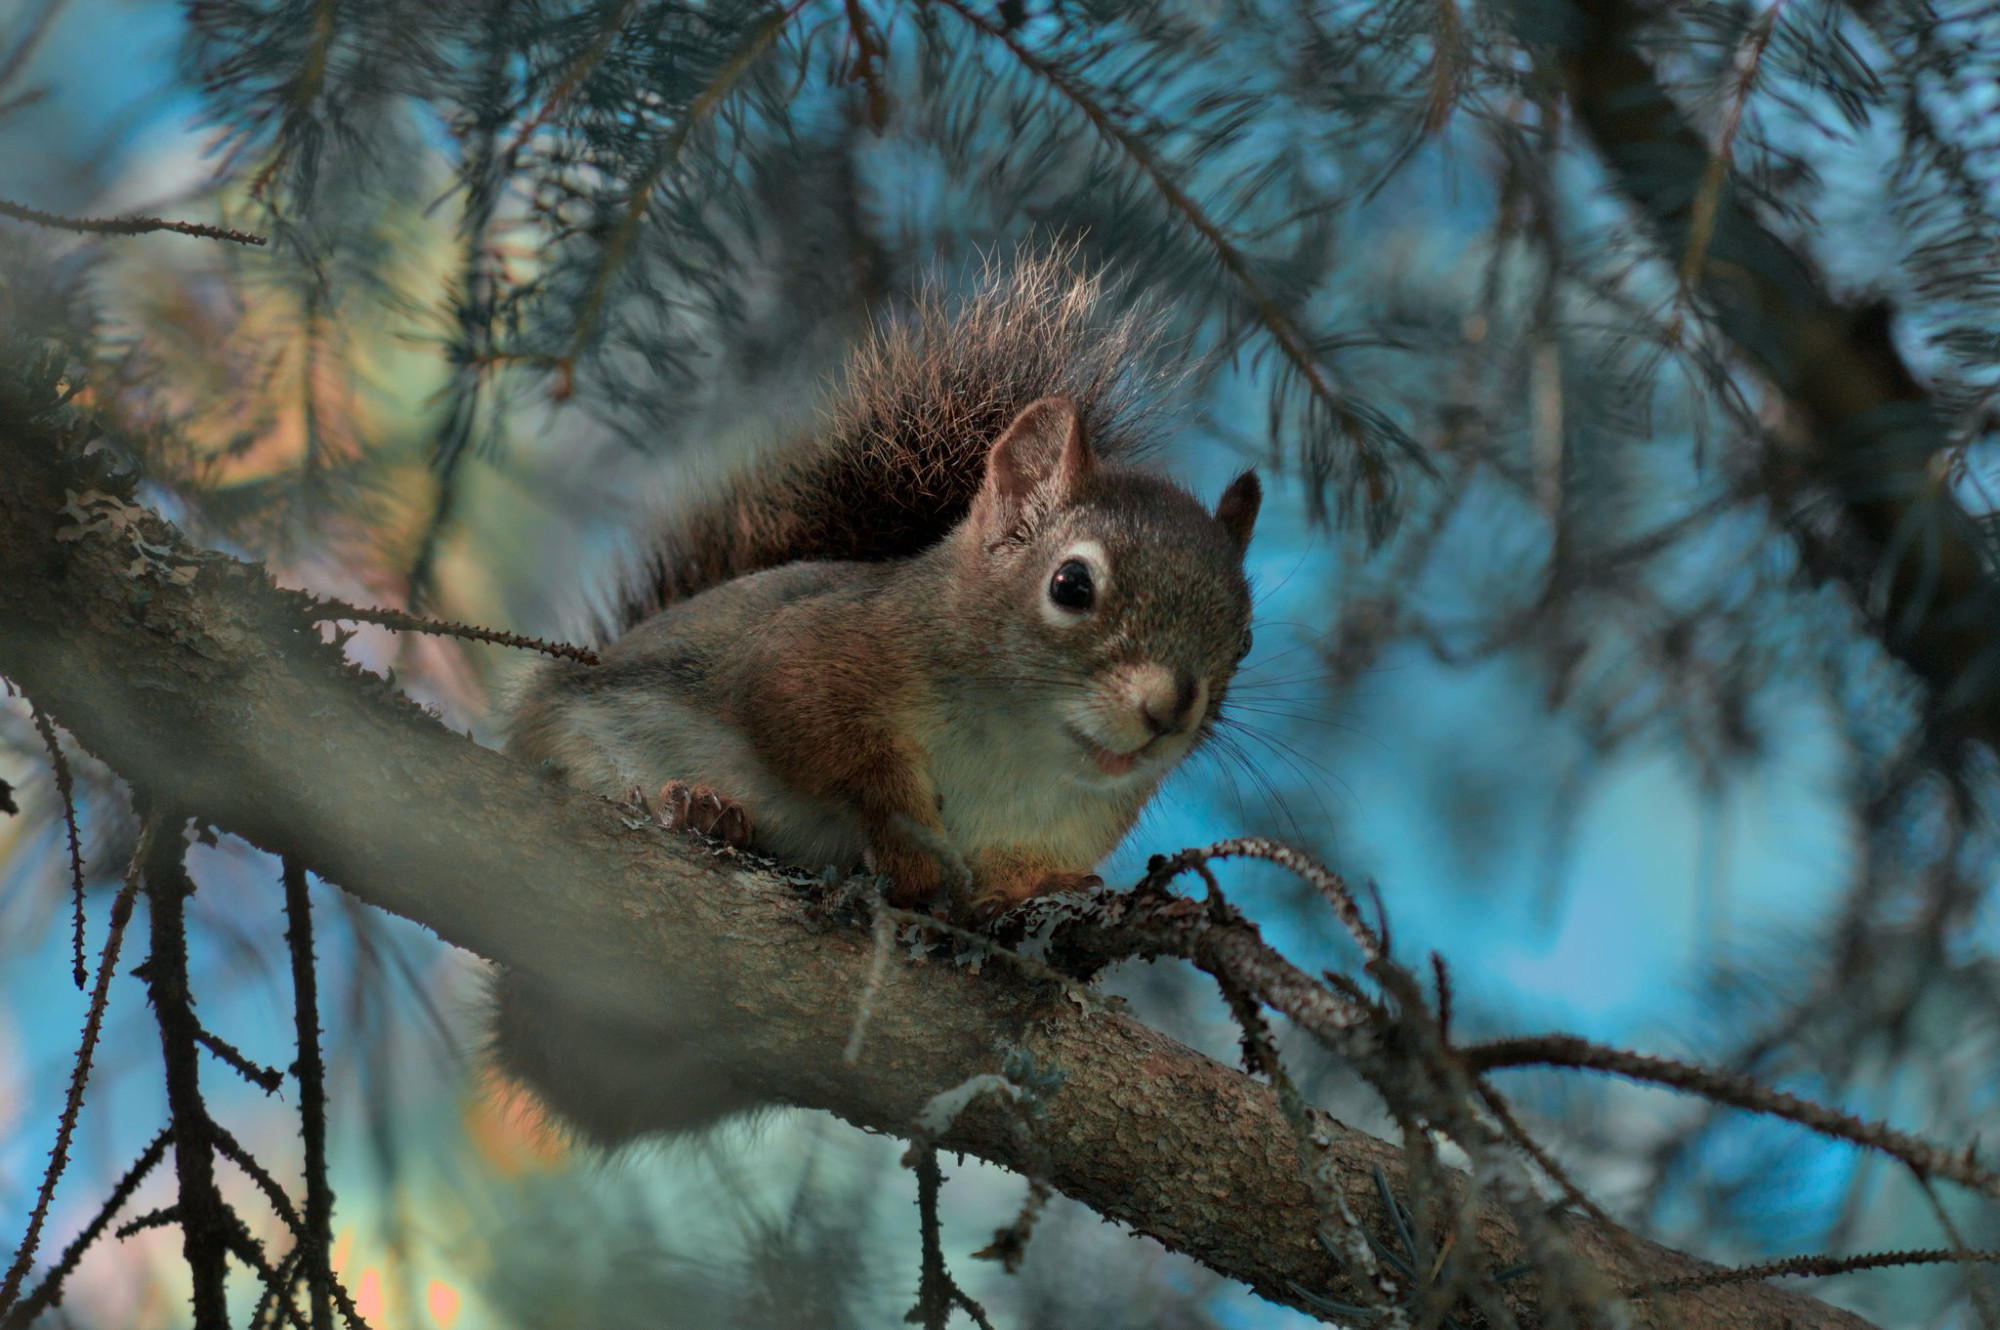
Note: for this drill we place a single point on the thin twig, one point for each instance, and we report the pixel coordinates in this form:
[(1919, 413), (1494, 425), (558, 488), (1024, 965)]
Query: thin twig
[(865, 65), (125, 226), (93, 1024), (341, 611), (1338, 1227), (937, 1292), (299, 97), (249, 1251), (1511, 1127), (573, 77), (66, 791), (1975, 1287), (1812, 1267), (267, 1079), (160, 1218), (48, 1293), (1316, 875), (1701, 224), (234, 1151), (279, 1292), (1442, 975), (1724, 1087)]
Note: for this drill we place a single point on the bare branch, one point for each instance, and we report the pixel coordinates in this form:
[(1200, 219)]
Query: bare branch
[(315, 1239), (1723, 1087), (1813, 1267), (125, 226), (48, 1293), (202, 1214), (405, 622), (164, 1217), (267, 1079), (86, 1049), (66, 791), (938, 1294)]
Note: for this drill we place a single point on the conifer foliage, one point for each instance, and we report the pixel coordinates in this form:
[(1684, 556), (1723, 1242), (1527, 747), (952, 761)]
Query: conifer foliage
[(1646, 352)]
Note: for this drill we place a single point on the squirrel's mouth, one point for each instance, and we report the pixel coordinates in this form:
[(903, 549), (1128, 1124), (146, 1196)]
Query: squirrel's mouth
[(1104, 759)]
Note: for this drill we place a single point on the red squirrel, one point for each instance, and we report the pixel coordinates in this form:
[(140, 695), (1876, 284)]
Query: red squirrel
[(956, 640)]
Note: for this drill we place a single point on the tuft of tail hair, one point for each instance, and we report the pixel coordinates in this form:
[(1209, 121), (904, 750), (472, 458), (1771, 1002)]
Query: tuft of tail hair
[(902, 450)]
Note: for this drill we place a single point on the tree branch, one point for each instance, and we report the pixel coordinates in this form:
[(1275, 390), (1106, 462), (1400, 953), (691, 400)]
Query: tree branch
[(124, 226), (1736, 1091), (191, 672), (49, 1292), (199, 1211), (86, 1050), (315, 1232)]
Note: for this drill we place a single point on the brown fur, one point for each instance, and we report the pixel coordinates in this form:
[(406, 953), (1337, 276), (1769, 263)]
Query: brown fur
[(836, 717), (860, 658), (920, 403)]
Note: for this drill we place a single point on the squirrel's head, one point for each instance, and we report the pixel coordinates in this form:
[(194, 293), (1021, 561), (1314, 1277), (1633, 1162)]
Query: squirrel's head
[(1113, 598)]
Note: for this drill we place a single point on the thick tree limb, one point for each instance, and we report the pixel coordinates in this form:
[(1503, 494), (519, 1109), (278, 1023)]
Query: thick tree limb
[(192, 674), (1871, 436)]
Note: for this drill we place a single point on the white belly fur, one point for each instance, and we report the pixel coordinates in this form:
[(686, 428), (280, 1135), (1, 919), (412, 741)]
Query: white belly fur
[(1020, 787)]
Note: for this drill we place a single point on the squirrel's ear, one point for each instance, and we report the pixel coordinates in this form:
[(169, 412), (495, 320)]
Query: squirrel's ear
[(1237, 509), (1043, 447)]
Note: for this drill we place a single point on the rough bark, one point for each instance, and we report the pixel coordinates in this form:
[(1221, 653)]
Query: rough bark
[(192, 674)]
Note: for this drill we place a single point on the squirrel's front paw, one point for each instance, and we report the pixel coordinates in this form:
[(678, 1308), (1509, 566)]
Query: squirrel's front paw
[(914, 877), (1056, 883), (685, 807), (1000, 892)]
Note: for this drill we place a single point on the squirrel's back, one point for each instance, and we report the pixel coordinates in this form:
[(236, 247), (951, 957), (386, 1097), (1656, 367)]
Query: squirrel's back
[(903, 449)]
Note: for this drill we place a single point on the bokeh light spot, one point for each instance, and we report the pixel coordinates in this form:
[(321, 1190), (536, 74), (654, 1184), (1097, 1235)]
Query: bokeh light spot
[(368, 1295), (443, 1301)]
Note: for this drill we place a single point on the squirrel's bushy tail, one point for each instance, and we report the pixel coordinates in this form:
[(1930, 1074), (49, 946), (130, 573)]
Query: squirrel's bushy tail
[(903, 448)]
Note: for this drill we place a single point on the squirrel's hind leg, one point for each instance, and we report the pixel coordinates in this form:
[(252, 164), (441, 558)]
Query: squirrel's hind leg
[(686, 807)]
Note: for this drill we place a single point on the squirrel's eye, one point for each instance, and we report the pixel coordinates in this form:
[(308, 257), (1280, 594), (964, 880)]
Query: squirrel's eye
[(1243, 647), (1071, 586)]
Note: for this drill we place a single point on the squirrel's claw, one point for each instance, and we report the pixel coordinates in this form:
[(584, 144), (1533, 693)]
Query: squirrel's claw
[(685, 807)]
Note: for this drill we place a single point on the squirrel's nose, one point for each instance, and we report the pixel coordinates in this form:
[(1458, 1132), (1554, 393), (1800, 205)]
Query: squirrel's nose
[(1170, 702)]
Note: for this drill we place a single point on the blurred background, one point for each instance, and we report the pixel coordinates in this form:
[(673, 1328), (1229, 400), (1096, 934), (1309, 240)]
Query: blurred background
[(1546, 646)]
